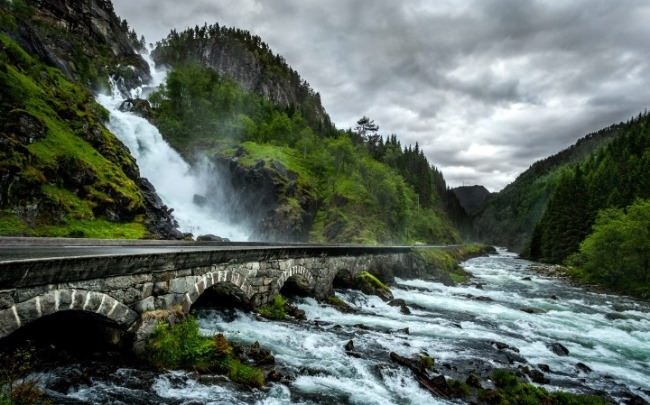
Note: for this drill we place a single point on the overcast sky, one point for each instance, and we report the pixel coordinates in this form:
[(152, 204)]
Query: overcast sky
[(486, 86)]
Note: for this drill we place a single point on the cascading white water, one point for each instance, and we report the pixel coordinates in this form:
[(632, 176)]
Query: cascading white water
[(174, 179)]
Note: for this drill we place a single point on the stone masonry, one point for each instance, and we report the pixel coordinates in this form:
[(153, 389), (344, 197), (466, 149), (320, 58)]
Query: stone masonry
[(175, 282)]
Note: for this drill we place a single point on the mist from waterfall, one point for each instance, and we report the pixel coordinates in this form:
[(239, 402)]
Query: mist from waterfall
[(180, 186)]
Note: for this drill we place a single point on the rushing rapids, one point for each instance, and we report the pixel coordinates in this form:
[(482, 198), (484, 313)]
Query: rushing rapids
[(456, 325)]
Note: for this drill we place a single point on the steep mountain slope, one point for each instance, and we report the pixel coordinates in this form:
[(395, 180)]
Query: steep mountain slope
[(509, 217), (245, 58), (84, 39), (62, 173)]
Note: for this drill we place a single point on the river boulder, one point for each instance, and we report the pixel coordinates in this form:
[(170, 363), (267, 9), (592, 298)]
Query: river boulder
[(558, 349)]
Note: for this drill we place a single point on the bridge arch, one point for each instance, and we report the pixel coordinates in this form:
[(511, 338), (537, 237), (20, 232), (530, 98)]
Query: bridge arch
[(296, 280), (56, 301), (215, 279)]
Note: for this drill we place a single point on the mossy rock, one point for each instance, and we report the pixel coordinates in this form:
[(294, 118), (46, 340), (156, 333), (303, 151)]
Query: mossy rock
[(371, 285), (339, 304)]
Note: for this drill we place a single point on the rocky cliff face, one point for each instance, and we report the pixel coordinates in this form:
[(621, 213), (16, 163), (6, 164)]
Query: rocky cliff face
[(84, 39), (62, 173), (246, 59), (269, 197)]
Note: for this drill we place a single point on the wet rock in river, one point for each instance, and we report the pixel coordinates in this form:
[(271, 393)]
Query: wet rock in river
[(295, 312), (437, 385), (532, 310), (349, 346), (544, 367), (339, 304), (504, 346), (558, 349), (403, 308), (612, 316), (536, 376), (583, 367)]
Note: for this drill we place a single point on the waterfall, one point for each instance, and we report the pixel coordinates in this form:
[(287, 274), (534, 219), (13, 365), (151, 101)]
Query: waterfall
[(176, 182)]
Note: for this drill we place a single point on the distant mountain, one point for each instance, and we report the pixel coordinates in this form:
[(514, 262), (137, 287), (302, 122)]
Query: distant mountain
[(510, 216), (471, 198)]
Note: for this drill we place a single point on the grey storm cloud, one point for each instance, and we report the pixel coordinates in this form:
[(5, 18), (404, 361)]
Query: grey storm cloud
[(486, 87)]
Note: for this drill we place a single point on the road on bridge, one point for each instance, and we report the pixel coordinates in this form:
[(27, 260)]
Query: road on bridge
[(22, 249)]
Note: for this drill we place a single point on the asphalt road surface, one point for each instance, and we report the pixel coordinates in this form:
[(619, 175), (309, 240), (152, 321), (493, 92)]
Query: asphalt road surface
[(18, 249)]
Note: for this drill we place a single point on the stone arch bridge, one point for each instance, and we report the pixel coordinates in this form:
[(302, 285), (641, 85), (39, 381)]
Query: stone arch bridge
[(120, 287)]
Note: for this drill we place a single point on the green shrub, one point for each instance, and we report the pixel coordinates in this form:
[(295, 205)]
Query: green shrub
[(182, 346), (245, 374), (274, 310)]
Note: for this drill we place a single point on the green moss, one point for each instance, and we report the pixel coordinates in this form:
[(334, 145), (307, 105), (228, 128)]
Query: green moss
[(458, 278), (366, 278), (11, 225), (244, 374), (426, 362), (69, 117), (458, 388), (79, 209), (274, 310), (369, 284), (95, 228), (439, 258), (513, 390), (339, 304), (182, 346)]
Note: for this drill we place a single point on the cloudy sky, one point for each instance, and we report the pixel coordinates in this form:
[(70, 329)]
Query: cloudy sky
[(485, 86)]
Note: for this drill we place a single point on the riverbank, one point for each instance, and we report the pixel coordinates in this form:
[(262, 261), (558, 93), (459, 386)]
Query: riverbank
[(444, 263), (579, 278)]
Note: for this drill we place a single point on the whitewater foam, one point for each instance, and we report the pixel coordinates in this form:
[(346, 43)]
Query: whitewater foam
[(176, 182)]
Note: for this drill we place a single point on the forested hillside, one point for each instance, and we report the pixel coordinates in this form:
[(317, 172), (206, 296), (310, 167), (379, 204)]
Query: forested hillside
[(510, 216), (613, 177), (329, 185), (245, 58)]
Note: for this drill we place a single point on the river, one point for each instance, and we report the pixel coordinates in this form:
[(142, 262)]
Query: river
[(455, 325)]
